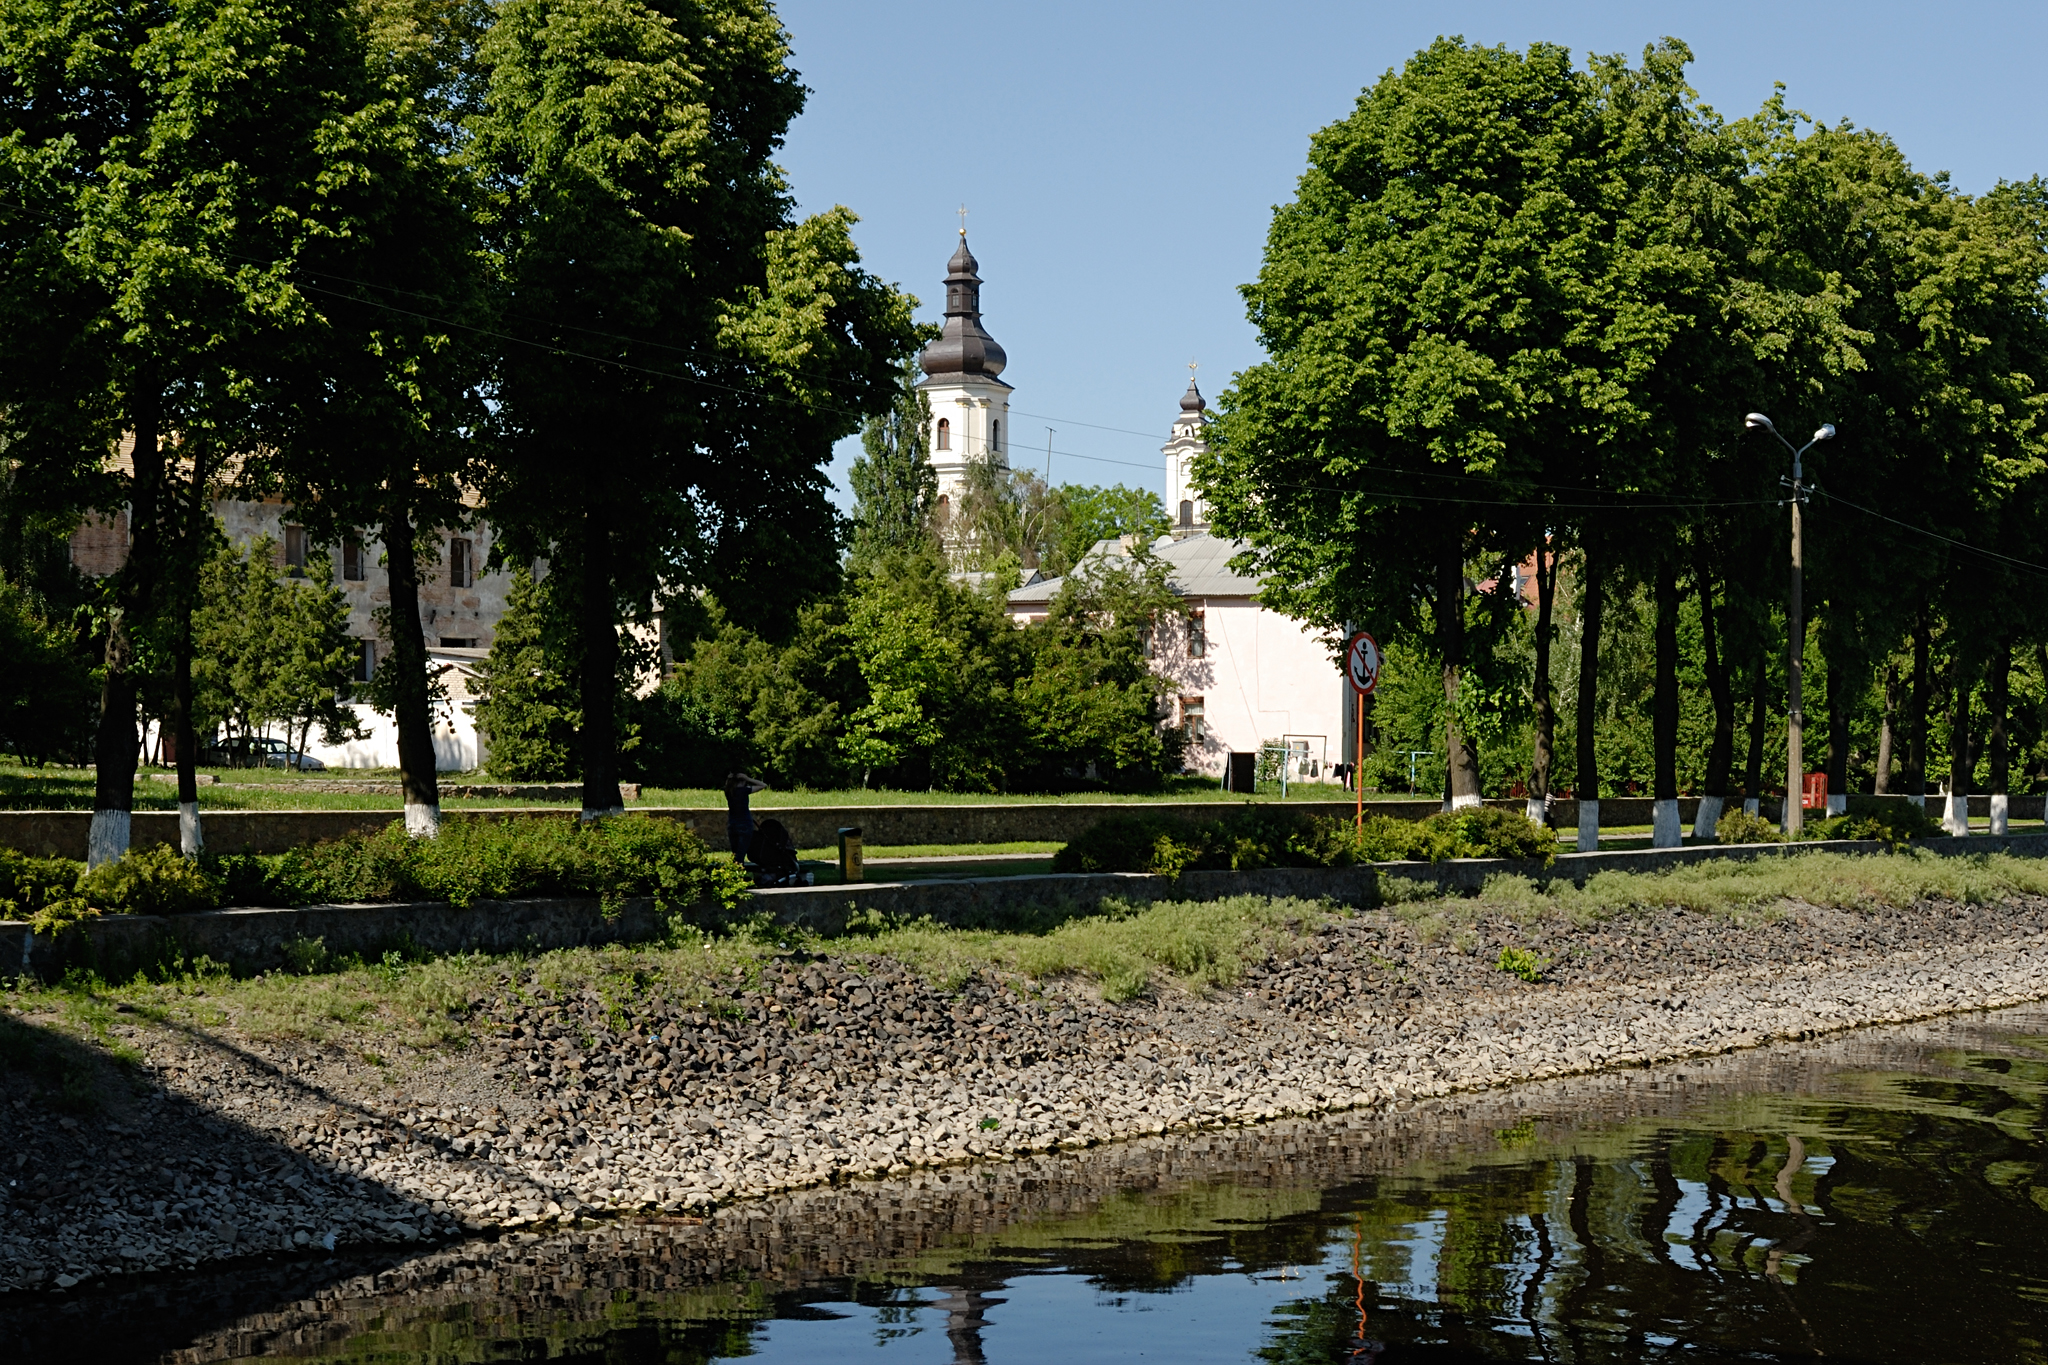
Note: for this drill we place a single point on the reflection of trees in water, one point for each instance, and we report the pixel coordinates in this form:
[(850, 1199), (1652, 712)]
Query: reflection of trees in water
[(1751, 1240)]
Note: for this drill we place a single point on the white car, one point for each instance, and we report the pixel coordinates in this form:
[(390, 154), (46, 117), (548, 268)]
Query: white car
[(277, 754)]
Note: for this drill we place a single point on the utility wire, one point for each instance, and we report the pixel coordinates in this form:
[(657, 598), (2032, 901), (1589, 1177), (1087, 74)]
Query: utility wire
[(2040, 570)]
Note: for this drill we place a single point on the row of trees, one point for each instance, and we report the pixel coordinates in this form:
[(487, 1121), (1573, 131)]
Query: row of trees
[(382, 258), (1517, 312)]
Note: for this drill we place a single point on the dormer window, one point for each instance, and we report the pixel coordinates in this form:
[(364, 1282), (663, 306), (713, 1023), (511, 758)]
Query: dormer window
[(945, 441)]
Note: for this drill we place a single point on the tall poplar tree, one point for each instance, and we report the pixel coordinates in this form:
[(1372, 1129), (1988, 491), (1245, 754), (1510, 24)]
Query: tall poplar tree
[(684, 352), (894, 484)]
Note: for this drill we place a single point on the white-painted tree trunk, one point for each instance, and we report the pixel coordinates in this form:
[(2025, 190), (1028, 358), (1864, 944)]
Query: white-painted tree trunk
[(591, 817), (191, 839), (2001, 814), (1589, 826), (1956, 816), (1468, 799), (1838, 803), (1918, 798), (107, 840), (1537, 809), (1665, 826), (1708, 817), (422, 821), (1752, 805)]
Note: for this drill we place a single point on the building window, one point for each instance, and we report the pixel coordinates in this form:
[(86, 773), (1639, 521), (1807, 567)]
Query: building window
[(366, 660), (1187, 512), (353, 569), (1198, 636), (945, 434), (458, 642), (295, 550), (1191, 719), (995, 436), (461, 573)]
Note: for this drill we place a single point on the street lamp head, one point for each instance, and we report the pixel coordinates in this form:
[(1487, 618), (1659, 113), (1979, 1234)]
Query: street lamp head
[(1757, 419), (1826, 433)]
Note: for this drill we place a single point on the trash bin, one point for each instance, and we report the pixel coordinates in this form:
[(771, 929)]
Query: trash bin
[(849, 854)]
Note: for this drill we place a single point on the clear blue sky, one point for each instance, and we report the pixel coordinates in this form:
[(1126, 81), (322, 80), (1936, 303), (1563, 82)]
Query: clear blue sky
[(1120, 159)]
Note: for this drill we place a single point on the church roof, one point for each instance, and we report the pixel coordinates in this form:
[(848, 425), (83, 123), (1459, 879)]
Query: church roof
[(1192, 401), (1197, 566), (964, 346)]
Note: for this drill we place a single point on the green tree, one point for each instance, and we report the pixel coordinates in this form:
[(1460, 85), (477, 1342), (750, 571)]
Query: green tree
[(167, 163), (894, 485), (1087, 514), (526, 708), (46, 691), (687, 351)]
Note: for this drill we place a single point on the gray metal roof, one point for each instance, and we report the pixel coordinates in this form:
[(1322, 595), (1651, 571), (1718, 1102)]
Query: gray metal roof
[(1197, 566)]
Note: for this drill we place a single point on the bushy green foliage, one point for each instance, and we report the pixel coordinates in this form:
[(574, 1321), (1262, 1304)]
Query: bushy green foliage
[(1272, 836), (271, 646), (1738, 826), (527, 708), (912, 680), (473, 860), (28, 884), (153, 881), (47, 695), (1892, 820), (1521, 962)]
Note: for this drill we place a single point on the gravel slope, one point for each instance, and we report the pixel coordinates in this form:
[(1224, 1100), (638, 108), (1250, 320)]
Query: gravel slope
[(845, 1067)]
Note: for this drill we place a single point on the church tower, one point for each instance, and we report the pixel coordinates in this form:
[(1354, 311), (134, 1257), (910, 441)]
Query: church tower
[(970, 404), (1184, 505)]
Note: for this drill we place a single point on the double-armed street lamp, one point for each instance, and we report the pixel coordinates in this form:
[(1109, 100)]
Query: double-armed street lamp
[(1795, 652)]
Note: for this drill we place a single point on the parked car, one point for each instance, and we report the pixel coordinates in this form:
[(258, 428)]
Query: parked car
[(258, 751)]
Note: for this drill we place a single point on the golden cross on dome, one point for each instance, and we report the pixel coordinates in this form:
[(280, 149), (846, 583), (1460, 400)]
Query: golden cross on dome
[(963, 220), (1192, 367)]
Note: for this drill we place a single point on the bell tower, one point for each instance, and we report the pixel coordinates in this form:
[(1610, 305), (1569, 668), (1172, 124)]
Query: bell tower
[(1184, 505), (970, 403)]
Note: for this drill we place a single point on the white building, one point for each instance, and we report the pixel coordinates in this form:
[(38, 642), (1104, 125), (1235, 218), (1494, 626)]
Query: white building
[(1246, 675), (970, 403)]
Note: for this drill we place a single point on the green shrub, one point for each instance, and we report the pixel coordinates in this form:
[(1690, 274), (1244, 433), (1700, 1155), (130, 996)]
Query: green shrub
[(155, 881), (1273, 836), (1738, 826), (28, 884), (1888, 818), (613, 860), (1521, 962)]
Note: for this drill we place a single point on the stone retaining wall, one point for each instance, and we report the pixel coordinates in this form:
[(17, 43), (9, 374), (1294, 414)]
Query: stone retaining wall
[(259, 939)]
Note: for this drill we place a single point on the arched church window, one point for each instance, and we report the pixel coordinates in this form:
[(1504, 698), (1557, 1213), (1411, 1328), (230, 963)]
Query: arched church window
[(945, 434), (995, 436), (1187, 512)]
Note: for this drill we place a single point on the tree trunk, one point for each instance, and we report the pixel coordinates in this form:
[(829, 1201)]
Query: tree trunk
[(1838, 739), (191, 836), (1546, 705), (1461, 759), (1753, 771), (600, 667), (411, 709), (1587, 783), (1720, 753), (1916, 717), (1999, 699), (1664, 826), (1883, 784), (1956, 815), (117, 745)]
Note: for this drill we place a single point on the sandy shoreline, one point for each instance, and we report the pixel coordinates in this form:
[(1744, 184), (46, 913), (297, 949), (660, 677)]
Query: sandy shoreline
[(220, 1147)]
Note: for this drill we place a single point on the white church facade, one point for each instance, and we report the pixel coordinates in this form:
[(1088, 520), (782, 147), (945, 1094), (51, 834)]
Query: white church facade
[(1244, 675)]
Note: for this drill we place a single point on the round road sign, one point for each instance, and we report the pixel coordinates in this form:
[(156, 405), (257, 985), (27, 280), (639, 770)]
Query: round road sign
[(1362, 663)]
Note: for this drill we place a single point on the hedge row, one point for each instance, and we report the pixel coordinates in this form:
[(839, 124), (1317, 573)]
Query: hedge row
[(613, 860), (1271, 836)]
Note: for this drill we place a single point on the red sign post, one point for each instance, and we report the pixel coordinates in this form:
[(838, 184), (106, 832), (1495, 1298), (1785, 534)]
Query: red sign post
[(1362, 661)]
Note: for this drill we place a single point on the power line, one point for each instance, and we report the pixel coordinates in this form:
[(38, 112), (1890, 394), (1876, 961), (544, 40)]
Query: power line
[(2040, 570)]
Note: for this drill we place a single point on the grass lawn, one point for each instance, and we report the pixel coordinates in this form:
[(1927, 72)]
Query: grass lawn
[(65, 788)]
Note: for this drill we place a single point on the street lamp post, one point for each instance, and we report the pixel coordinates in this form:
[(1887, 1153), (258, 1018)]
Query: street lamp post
[(1795, 651)]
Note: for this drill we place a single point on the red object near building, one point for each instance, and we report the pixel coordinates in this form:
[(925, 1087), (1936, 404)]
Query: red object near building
[(1813, 793)]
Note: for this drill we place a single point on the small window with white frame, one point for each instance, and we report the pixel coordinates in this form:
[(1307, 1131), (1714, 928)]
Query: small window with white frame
[(1198, 635), (1192, 720)]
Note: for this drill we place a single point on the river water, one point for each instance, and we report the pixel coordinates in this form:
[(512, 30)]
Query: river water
[(1881, 1196)]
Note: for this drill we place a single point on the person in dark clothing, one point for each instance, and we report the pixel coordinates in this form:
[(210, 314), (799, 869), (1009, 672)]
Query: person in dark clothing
[(772, 854), (739, 820)]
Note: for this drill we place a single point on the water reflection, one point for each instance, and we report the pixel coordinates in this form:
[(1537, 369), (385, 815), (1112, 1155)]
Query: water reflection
[(1878, 1198)]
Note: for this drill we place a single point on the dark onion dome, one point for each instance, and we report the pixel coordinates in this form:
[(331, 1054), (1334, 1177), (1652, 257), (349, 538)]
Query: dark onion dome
[(1192, 400), (964, 346)]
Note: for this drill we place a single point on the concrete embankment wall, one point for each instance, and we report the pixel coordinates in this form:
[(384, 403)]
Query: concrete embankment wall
[(261, 939), (61, 833)]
